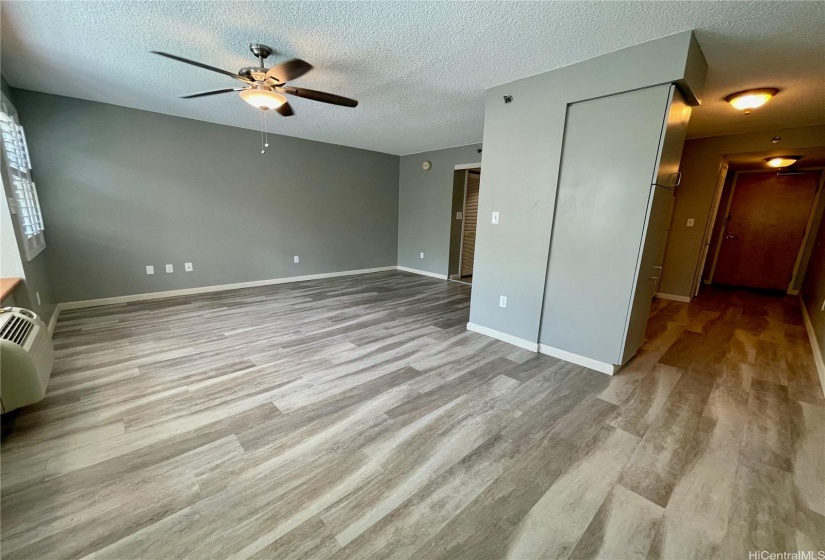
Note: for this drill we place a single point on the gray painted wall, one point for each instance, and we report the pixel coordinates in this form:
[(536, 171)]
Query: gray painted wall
[(36, 278), (6, 89), (123, 188), (425, 207), (701, 163), (813, 291), (522, 151)]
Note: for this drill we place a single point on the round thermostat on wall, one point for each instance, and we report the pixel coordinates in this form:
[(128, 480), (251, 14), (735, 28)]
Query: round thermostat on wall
[(426, 166)]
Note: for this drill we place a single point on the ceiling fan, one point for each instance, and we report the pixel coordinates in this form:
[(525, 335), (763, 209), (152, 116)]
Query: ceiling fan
[(264, 88)]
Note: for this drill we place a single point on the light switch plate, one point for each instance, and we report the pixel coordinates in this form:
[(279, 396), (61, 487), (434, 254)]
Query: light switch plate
[(690, 222), (169, 268), (495, 217), (188, 267), (458, 215), (421, 256), (150, 270), (296, 259), (502, 301)]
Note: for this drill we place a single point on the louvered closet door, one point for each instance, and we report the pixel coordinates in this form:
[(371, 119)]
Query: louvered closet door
[(468, 241)]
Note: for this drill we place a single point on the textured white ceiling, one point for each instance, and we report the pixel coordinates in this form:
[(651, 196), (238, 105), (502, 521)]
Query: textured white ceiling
[(418, 68)]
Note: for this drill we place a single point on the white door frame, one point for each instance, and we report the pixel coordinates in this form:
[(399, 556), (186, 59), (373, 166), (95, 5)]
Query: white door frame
[(463, 221), (463, 167), (467, 166), (722, 229), (714, 212), (808, 226)]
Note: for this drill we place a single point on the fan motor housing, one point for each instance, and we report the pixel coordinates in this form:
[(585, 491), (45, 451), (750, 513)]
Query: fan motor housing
[(254, 73)]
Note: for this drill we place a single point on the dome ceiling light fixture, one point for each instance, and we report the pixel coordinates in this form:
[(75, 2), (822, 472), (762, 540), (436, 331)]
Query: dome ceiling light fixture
[(779, 162), (751, 98)]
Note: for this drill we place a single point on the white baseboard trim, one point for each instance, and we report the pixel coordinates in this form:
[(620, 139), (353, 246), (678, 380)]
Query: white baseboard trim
[(603, 367), (820, 363), (218, 288), (54, 317), (423, 272), (508, 338), (673, 297)]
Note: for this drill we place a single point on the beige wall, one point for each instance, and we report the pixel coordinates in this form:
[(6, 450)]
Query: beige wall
[(701, 161)]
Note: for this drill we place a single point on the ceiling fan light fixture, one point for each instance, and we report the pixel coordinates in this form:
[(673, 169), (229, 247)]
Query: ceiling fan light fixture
[(263, 98), (782, 161), (751, 99)]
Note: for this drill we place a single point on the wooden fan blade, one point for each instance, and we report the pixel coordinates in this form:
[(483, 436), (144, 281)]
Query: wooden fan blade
[(213, 92), (321, 96), (199, 65), (289, 70), (285, 110)]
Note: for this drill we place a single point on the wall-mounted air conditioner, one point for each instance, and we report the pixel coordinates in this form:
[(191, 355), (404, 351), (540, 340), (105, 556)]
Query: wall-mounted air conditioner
[(26, 358)]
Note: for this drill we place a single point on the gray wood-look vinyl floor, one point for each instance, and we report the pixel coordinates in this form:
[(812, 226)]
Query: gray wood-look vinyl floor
[(357, 418)]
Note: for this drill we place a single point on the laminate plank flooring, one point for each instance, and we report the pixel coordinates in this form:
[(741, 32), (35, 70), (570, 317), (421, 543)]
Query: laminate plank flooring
[(357, 418)]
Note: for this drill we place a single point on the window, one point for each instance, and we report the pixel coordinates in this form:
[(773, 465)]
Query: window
[(24, 202)]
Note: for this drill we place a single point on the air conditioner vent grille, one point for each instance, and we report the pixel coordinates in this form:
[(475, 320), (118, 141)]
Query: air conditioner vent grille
[(17, 330)]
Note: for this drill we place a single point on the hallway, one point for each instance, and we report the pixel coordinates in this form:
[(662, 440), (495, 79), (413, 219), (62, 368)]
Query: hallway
[(726, 397)]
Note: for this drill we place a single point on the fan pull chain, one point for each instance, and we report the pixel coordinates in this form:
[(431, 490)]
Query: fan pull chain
[(266, 132), (263, 151)]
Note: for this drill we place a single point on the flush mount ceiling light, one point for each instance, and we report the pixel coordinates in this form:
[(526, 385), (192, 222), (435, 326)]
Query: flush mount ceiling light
[(782, 161), (751, 99), (262, 98)]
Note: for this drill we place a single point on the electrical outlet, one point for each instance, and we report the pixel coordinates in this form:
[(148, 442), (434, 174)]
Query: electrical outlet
[(169, 268), (188, 267), (690, 222), (459, 216), (296, 259), (502, 301), (37, 294), (421, 256), (150, 270), (495, 217)]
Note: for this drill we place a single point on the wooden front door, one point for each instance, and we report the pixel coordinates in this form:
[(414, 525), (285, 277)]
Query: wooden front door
[(764, 229)]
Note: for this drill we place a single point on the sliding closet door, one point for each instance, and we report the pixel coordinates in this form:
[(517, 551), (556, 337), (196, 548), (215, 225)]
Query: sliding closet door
[(609, 158)]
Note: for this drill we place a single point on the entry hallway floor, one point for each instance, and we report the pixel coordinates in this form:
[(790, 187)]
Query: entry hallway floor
[(357, 418)]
